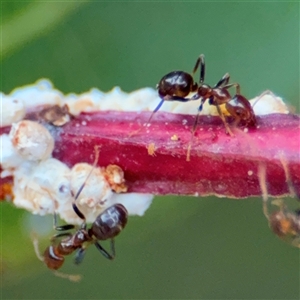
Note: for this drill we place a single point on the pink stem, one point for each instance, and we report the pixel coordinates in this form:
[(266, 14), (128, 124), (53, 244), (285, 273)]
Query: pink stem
[(154, 159)]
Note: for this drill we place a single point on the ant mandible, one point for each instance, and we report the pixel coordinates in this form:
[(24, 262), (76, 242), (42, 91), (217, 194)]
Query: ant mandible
[(107, 225), (177, 85)]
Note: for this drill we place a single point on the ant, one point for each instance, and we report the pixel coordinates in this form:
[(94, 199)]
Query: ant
[(177, 85), (284, 222), (107, 225)]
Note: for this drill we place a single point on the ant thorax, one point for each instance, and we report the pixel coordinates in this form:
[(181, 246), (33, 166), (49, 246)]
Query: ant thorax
[(71, 243)]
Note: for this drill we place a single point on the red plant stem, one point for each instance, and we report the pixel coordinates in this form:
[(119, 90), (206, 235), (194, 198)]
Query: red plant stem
[(220, 164)]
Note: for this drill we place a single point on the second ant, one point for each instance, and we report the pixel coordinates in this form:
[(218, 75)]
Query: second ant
[(283, 220), (108, 225)]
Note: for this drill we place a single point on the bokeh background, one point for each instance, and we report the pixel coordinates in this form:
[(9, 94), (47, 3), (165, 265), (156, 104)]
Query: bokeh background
[(184, 247)]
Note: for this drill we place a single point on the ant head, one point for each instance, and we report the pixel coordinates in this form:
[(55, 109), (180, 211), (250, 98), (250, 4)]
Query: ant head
[(176, 83), (110, 222)]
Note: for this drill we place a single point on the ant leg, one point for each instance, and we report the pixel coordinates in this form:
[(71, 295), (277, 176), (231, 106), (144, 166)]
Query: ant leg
[(287, 174), (223, 81), (236, 85), (236, 121), (112, 247), (181, 99), (228, 130), (267, 92), (188, 154), (200, 62), (237, 118), (63, 227), (79, 256), (78, 212), (60, 228), (56, 236), (104, 252)]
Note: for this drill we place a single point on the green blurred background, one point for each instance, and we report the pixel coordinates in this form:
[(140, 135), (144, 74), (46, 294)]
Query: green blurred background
[(184, 248)]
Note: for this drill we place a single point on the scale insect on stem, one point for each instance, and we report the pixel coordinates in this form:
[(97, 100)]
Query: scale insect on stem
[(107, 225)]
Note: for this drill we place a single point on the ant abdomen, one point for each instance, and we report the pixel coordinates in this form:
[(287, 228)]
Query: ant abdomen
[(109, 223), (176, 83), (241, 110), (52, 258)]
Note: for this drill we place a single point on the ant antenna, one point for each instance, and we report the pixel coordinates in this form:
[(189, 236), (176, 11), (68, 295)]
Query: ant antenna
[(76, 209), (97, 151), (154, 111), (150, 118)]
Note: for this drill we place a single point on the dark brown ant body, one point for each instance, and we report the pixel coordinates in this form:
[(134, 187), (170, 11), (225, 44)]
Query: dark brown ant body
[(177, 85), (107, 225)]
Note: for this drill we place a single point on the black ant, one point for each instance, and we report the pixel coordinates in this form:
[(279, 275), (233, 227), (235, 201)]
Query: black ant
[(284, 222), (177, 85), (107, 225)]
